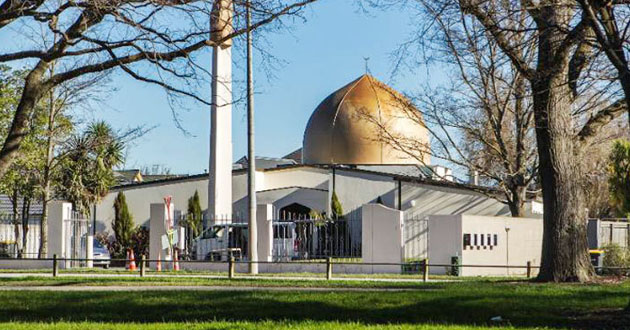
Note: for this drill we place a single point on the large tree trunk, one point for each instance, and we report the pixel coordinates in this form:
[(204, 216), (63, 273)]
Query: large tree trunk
[(33, 91), (565, 250)]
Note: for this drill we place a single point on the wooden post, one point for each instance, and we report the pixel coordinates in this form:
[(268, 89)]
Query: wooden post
[(329, 268), (425, 269), (142, 266), (55, 265), (529, 269), (231, 268)]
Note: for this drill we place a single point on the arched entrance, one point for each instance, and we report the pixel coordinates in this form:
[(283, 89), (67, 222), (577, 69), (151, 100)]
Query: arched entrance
[(294, 211)]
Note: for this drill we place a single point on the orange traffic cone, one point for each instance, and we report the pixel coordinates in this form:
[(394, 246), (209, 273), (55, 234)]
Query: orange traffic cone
[(132, 261), (158, 263), (175, 261)]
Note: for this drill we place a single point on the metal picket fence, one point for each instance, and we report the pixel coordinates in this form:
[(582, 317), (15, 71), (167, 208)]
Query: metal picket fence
[(12, 242)]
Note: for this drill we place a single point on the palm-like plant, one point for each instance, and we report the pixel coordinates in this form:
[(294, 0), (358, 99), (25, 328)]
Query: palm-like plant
[(88, 164)]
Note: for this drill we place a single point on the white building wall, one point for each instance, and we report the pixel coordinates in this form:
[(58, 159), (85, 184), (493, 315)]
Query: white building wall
[(295, 177), (424, 199), (140, 197), (354, 189)]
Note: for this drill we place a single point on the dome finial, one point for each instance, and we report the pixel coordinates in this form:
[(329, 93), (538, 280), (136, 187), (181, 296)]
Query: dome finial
[(367, 68)]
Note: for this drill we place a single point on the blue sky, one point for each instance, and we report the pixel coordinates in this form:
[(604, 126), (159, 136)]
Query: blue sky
[(321, 55)]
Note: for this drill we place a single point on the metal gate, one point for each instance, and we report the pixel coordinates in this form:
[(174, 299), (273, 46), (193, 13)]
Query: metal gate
[(76, 230), (416, 237), (316, 239)]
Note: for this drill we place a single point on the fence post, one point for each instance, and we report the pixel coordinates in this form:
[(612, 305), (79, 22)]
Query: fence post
[(328, 268), (55, 265), (142, 266), (231, 268), (529, 269), (425, 269)]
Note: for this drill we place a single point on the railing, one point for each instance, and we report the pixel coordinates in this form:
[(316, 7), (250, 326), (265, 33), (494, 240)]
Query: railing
[(11, 236), (328, 265)]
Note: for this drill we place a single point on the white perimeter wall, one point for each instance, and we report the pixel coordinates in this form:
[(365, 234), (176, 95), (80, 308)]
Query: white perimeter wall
[(445, 237), (382, 237), (523, 244)]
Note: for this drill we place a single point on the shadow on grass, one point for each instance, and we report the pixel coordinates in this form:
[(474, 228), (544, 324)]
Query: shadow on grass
[(463, 304)]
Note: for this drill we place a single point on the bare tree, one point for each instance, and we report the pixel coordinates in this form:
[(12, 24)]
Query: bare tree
[(482, 122), (570, 88), (153, 41), (610, 22)]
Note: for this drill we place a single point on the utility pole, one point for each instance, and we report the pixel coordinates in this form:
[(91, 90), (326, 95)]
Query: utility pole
[(251, 157)]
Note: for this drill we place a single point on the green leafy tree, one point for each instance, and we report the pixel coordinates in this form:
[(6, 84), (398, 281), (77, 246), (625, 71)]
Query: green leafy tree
[(87, 170), (619, 177), (20, 182), (123, 225), (335, 207)]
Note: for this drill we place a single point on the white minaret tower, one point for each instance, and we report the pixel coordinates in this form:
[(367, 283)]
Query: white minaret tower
[(220, 183)]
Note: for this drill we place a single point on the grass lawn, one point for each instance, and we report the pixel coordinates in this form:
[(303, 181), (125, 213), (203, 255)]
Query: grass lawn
[(193, 281), (461, 305), (222, 325)]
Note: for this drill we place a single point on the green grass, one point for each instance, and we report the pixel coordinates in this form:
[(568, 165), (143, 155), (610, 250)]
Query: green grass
[(238, 325), (235, 325), (87, 280), (193, 281), (461, 305)]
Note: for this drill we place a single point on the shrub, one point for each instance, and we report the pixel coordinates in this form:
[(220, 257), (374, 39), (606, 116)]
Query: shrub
[(616, 256), (140, 242), (337, 210), (123, 225)]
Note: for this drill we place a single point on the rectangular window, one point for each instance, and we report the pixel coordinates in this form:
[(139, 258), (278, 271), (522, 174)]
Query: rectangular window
[(483, 241), (466, 240), (490, 240), (496, 239), (475, 241)]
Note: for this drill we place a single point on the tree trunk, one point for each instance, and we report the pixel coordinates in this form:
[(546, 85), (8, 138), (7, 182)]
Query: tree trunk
[(43, 229), (565, 250), (50, 145), (16, 222), (517, 201), (26, 209), (33, 91)]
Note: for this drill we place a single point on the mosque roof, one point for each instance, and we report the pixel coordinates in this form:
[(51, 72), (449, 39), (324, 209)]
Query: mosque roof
[(357, 124)]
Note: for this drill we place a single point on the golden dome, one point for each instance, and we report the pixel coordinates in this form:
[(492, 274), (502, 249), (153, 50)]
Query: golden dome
[(348, 126)]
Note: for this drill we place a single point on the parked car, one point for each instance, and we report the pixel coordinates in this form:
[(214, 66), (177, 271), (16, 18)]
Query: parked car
[(101, 255)]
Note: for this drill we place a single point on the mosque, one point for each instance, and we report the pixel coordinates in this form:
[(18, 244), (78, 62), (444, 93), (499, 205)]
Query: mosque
[(355, 161), (340, 153)]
